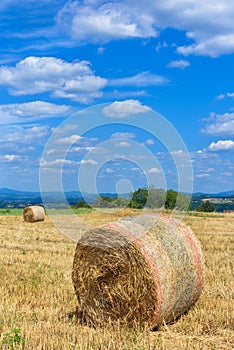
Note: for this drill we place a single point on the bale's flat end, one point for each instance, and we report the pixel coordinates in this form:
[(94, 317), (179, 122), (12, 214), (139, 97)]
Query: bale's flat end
[(112, 280)]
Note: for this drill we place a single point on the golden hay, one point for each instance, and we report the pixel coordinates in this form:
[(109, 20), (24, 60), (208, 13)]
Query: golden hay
[(151, 279), (34, 213)]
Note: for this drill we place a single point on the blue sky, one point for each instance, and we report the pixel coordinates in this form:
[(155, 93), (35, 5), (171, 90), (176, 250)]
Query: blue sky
[(113, 66)]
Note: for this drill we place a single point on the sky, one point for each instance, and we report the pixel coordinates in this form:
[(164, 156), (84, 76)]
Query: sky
[(111, 96)]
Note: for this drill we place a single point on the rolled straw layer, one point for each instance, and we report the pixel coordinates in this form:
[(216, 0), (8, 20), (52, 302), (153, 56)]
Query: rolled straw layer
[(140, 270), (34, 213)]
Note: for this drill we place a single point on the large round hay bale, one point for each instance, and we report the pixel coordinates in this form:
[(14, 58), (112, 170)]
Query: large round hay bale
[(34, 213), (151, 279)]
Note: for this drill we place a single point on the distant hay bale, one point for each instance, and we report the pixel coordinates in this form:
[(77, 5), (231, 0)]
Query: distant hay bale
[(34, 213), (149, 280)]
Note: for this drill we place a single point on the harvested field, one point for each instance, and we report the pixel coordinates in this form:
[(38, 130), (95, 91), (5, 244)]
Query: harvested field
[(37, 294)]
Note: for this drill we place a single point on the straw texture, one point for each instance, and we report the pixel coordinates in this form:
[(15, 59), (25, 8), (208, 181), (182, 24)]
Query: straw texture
[(143, 270), (34, 214)]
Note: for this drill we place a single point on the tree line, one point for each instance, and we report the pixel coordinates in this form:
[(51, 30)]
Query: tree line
[(149, 198)]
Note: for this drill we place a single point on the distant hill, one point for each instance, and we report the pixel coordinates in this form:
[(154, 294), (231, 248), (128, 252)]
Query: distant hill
[(10, 192), (226, 194), (222, 201), (219, 194), (18, 199)]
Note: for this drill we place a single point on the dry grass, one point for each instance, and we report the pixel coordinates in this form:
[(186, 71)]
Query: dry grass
[(37, 294)]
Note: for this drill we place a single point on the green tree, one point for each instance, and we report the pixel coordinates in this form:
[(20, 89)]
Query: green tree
[(103, 201), (171, 197), (139, 198), (120, 202), (110, 202), (156, 198), (206, 206), (183, 202), (176, 200), (82, 204)]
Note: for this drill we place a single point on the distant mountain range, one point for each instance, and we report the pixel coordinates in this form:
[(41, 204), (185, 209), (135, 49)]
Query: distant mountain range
[(215, 195), (18, 199)]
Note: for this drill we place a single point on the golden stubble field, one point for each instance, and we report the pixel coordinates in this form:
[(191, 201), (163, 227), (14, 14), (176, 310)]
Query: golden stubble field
[(37, 295)]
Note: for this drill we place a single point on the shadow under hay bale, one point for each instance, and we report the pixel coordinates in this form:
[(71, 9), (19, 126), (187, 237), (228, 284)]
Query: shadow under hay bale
[(34, 213), (152, 279)]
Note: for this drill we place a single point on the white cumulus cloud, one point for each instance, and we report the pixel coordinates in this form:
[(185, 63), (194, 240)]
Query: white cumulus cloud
[(31, 111), (212, 46), (57, 162), (154, 171), (221, 145), (104, 21), (123, 135), (220, 97), (14, 160), (69, 139), (220, 124), (124, 109), (109, 171), (35, 75), (88, 162), (139, 80), (149, 142), (223, 96), (208, 24), (11, 157), (28, 134), (179, 64), (201, 176), (123, 144)]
